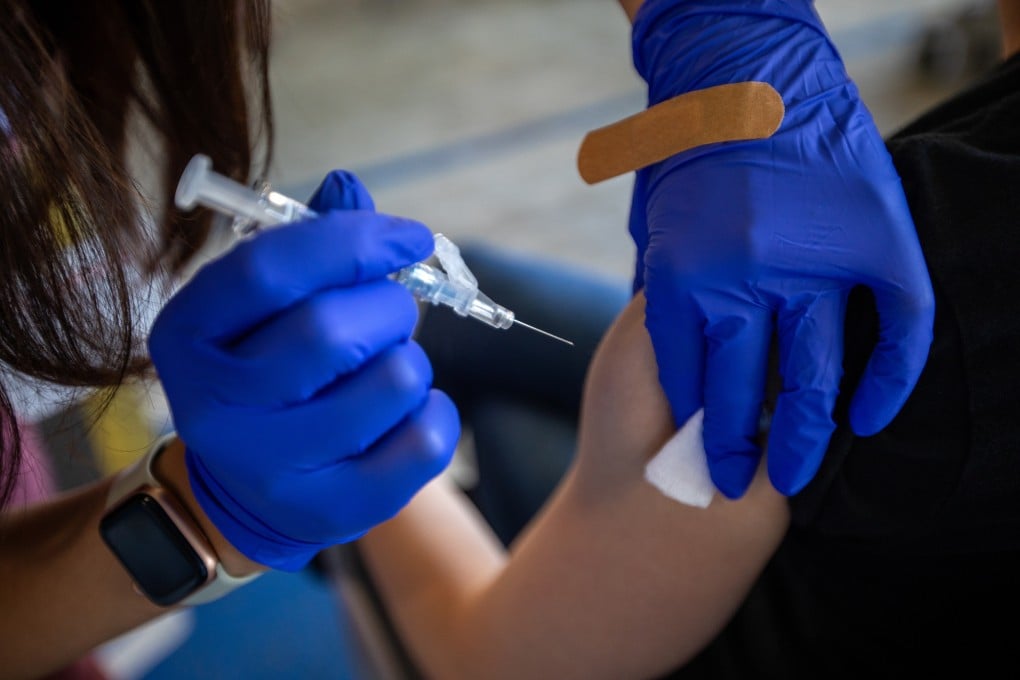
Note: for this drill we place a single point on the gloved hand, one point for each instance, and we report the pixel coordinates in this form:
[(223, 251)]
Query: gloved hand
[(305, 408), (735, 239)]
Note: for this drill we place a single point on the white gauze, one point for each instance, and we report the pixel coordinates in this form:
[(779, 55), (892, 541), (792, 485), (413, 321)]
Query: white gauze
[(680, 469)]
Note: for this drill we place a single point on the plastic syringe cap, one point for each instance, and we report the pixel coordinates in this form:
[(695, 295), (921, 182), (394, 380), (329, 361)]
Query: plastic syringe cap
[(193, 177)]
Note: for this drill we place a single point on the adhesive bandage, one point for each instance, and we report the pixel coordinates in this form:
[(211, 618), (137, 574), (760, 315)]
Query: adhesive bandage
[(724, 113)]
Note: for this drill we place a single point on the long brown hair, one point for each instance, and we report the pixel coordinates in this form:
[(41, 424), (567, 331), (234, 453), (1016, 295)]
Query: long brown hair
[(73, 78)]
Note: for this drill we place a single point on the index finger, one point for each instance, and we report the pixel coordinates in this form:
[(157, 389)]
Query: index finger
[(264, 275)]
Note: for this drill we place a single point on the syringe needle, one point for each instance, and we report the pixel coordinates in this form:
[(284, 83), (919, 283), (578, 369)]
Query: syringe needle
[(539, 330)]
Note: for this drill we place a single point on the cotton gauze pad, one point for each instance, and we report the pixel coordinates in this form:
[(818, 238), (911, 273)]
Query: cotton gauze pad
[(680, 469)]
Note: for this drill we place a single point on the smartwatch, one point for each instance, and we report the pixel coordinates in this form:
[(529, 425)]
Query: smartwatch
[(160, 544)]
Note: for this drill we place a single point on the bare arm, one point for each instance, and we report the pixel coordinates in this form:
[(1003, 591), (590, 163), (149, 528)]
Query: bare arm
[(631, 7), (611, 580), (1009, 15), (63, 592)]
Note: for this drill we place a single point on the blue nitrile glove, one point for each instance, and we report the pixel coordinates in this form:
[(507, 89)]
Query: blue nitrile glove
[(735, 239), (306, 410)]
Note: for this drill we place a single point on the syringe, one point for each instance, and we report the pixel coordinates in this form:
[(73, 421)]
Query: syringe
[(454, 286)]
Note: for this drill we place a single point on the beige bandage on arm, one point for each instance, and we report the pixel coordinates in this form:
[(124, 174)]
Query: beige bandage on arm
[(725, 113)]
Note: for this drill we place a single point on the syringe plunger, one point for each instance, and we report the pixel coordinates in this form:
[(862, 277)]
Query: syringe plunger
[(200, 185)]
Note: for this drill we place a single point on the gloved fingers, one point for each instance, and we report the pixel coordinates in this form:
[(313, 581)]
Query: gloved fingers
[(260, 524), (677, 334), (811, 365), (341, 190), (264, 275), (399, 464), (349, 417), (330, 503), (638, 226), (906, 328), (735, 372), (311, 344)]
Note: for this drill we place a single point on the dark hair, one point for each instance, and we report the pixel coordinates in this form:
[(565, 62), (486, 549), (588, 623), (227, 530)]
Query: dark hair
[(76, 76)]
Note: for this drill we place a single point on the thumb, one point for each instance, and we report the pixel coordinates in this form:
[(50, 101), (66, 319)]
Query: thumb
[(341, 190)]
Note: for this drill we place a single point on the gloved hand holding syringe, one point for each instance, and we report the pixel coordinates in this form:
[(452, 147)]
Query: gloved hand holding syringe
[(454, 286)]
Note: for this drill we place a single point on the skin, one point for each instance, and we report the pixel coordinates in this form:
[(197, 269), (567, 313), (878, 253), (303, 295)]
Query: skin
[(1009, 18), (59, 577), (630, 7), (659, 578)]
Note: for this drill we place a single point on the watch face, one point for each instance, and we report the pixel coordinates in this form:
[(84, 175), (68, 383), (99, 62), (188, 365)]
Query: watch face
[(159, 558)]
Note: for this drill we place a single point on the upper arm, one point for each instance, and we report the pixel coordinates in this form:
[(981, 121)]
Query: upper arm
[(613, 579), (631, 7)]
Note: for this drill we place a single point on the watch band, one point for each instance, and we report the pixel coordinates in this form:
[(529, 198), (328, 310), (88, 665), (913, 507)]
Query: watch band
[(140, 474)]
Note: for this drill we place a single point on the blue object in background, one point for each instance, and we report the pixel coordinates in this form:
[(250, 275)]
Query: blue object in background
[(282, 625)]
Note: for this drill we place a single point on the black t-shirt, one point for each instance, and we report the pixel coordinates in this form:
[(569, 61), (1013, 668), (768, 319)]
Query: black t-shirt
[(903, 558)]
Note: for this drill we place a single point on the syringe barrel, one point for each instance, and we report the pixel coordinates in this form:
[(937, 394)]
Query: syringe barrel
[(431, 285), (487, 311), (275, 208), (199, 185)]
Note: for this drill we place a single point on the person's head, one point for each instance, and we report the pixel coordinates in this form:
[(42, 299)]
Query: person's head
[(79, 81)]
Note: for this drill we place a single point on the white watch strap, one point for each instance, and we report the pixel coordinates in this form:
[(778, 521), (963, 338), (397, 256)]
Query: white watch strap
[(140, 474), (222, 584)]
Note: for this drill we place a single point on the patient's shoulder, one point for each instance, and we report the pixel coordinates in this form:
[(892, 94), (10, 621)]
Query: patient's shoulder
[(626, 419)]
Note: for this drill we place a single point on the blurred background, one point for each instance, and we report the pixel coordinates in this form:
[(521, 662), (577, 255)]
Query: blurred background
[(466, 115)]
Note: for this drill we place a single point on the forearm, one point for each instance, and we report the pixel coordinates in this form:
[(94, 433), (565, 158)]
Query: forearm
[(430, 563), (606, 583), (63, 590)]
